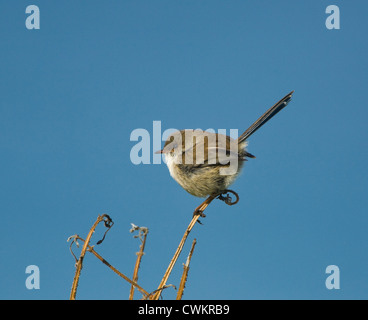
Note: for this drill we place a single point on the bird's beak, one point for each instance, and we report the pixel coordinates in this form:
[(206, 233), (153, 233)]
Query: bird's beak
[(163, 151)]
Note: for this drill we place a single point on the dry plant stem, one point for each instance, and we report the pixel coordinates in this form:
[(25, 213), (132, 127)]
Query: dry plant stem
[(204, 205), (175, 258), (185, 272), (192, 223), (79, 266), (133, 283), (137, 264), (139, 288), (159, 290)]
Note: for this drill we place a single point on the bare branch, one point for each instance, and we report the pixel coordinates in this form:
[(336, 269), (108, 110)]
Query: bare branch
[(185, 272), (79, 265), (142, 231)]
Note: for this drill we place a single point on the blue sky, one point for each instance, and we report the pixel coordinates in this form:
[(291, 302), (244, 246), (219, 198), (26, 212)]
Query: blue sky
[(74, 90)]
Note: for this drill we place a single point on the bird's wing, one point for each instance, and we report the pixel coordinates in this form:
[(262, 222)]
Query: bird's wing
[(213, 149)]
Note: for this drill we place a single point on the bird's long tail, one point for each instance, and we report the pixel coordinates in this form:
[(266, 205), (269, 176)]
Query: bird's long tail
[(266, 116)]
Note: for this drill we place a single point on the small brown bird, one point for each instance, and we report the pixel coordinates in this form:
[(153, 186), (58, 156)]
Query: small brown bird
[(205, 163)]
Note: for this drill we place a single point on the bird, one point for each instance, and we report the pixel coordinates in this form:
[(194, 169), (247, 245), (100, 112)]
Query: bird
[(205, 164)]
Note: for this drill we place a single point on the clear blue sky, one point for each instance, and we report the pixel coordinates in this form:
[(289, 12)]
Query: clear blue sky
[(74, 90)]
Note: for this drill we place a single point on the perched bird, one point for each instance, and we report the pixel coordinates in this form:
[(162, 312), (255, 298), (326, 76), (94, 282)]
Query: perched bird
[(206, 163)]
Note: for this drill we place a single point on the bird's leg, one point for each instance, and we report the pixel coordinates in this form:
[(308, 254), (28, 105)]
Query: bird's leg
[(199, 210), (228, 200)]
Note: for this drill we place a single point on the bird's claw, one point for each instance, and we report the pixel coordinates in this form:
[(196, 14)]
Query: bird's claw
[(199, 213), (227, 199)]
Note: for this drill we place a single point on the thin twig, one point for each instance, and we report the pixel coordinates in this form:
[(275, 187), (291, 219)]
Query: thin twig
[(159, 290), (144, 231), (185, 272), (176, 256), (74, 239), (79, 264), (133, 283), (197, 213)]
